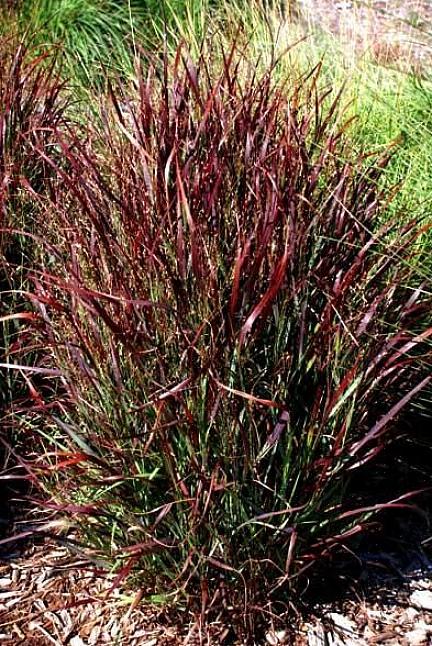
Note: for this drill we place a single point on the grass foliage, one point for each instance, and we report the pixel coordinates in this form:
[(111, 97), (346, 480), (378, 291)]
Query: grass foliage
[(232, 336), (100, 38), (31, 106), (94, 37), (213, 314), (390, 108)]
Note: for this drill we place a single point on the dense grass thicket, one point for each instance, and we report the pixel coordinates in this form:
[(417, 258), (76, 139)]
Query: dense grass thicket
[(32, 105), (214, 311)]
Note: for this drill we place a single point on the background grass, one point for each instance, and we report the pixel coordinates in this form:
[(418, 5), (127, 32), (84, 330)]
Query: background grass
[(99, 38)]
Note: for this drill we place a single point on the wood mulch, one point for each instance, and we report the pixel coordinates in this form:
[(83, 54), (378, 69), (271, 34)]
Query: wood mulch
[(50, 595)]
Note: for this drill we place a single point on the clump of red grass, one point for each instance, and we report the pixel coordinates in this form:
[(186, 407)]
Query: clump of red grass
[(31, 108), (234, 334)]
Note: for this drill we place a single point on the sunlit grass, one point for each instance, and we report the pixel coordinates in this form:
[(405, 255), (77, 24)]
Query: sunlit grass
[(391, 107), (235, 331)]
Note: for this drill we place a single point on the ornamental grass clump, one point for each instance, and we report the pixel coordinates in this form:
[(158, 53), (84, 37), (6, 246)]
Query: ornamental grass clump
[(233, 335), (91, 35), (31, 108)]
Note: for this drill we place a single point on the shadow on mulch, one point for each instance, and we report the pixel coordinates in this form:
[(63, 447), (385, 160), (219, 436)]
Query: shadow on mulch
[(398, 546), (14, 510)]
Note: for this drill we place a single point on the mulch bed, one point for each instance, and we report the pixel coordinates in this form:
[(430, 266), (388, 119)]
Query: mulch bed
[(48, 596)]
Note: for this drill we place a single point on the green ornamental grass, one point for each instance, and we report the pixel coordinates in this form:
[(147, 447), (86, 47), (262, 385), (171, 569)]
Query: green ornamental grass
[(95, 37)]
